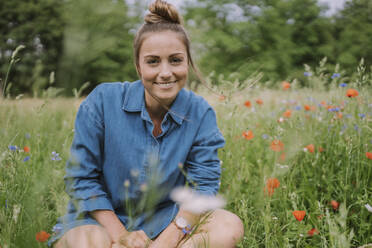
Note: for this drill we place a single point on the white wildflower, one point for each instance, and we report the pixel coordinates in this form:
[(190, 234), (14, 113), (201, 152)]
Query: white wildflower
[(16, 210), (194, 202), (368, 207)]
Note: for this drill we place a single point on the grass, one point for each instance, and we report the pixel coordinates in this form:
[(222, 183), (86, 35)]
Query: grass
[(32, 192)]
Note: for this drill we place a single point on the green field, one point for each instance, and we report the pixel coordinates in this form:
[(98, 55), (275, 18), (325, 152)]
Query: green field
[(339, 128)]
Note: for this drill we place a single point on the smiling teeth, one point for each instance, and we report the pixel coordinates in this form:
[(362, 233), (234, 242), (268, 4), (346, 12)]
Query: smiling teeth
[(166, 84)]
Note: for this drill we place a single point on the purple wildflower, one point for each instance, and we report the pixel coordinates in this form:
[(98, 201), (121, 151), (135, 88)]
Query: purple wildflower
[(265, 136), (307, 74), (334, 109), (362, 116), (27, 135), (13, 148), (343, 85), (336, 75), (55, 156)]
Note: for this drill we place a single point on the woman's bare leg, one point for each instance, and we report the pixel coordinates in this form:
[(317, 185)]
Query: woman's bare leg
[(87, 236), (222, 229)]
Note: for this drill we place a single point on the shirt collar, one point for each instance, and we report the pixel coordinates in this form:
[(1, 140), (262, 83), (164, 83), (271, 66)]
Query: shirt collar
[(134, 101)]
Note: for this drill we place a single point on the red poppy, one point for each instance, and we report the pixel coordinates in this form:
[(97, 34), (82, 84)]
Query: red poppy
[(339, 115), (282, 157), (299, 214), (310, 148), (307, 107), (321, 149), (323, 103), (259, 101), (247, 104), (287, 113), (26, 149), (248, 135), (312, 232), (272, 183), (286, 85), (42, 236), (277, 146), (335, 204), (352, 93), (369, 155)]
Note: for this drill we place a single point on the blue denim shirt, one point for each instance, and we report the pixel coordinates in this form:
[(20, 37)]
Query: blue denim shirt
[(117, 164)]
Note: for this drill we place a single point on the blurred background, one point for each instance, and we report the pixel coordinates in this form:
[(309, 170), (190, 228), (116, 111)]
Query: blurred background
[(71, 42)]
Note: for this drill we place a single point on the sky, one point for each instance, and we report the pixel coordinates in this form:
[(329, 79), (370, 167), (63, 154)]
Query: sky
[(334, 5)]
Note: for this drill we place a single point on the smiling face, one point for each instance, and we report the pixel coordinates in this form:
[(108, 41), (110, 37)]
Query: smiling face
[(163, 67)]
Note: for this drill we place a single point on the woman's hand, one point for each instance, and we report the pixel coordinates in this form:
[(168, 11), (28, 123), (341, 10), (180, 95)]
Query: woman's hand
[(169, 238), (136, 239)]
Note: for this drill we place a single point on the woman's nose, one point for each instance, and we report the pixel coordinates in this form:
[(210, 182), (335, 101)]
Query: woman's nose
[(165, 71)]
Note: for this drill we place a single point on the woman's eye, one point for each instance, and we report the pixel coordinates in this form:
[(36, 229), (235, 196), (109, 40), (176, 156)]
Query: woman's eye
[(152, 61), (176, 60)]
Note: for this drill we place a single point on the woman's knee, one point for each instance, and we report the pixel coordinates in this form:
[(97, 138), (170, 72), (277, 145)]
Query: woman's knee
[(233, 222), (227, 226), (89, 236)]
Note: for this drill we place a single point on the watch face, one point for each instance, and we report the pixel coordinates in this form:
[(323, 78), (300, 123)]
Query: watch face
[(181, 222)]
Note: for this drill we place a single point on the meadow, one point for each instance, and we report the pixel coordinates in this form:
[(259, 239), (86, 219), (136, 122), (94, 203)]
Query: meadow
[(297, 165)]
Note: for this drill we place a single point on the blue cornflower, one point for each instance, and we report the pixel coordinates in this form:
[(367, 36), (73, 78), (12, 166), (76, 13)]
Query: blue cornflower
[(362, 116), (55, 156), (348, 116), (336, 75), (334, 109), (307, 74), (343, 85), (13, 148), (298, 108), (26, 159), (265, 136), (356, 128), (27, 135)]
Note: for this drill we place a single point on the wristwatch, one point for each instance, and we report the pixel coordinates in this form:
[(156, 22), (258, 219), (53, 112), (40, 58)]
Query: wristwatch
[(181, 223)]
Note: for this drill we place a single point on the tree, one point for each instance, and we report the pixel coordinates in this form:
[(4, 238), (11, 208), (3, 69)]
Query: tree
[(38, 25), (97, 45), (354, 33)]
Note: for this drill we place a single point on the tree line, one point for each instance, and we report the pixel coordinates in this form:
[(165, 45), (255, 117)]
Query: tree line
[(71, 42)]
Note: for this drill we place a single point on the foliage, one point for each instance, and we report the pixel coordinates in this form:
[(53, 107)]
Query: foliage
[(321, 158), (98, 44), (91, 41), (38, 26)]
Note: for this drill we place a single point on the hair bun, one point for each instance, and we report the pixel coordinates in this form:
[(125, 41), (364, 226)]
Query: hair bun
[(161, 11)]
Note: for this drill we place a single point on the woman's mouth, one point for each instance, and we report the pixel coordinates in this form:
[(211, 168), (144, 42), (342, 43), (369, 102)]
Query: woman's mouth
[(165, 85)]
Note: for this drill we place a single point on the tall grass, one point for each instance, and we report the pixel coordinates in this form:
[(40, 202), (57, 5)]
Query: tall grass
[(32, 192)]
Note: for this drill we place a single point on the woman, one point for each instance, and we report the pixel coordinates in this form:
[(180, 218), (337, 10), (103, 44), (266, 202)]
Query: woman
[(125, 133)]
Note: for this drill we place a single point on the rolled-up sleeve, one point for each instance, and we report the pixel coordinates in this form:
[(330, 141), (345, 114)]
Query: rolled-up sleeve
[(203, 165), (84, 168)]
